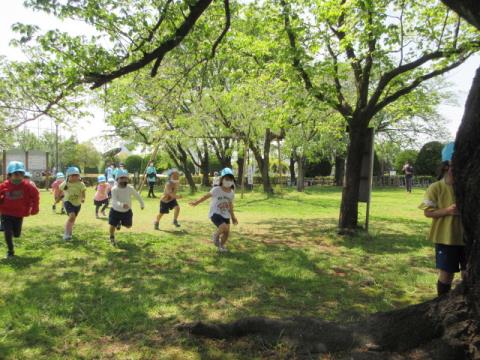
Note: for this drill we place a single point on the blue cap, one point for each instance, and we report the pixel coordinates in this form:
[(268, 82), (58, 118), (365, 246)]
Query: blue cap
[(122, 173), (15, 166), (447, 151), (101, 178), (111, 180), (226, 171), (73, 170), (60, 175), (171, 172)]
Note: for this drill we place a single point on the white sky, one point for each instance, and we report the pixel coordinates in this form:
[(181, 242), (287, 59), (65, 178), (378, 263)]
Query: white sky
[(92, 129)]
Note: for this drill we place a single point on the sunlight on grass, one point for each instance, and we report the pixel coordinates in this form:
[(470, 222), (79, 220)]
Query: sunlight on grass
[(85, 299)]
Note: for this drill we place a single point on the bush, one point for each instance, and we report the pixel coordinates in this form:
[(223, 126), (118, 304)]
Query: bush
[(322, 168), (134, 163), (429, 159), (403, 157)]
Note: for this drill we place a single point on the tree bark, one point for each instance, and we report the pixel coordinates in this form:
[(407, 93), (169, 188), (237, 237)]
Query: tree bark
[(301, 161), (240, 162), (339, 170), (349, 206), (291, 167), (263, 162), (180, 157)]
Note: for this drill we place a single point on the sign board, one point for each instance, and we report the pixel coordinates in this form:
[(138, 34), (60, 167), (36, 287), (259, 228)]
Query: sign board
[(35, 161), (393, 172), (366, 175)]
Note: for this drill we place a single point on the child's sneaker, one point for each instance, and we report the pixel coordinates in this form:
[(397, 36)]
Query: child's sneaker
[(215, 239), (175, 222), (103, 213), (156, 226), (112, 241), (10, 256), (222, 249)]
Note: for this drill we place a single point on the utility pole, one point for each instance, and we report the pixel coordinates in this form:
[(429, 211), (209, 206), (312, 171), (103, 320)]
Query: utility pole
[(56, 147)]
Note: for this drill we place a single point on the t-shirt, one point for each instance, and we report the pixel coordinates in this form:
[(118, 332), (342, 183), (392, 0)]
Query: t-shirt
[(56, 188), (408, 169), (446, 230), (221, 201), (151, 174), (122, 196), (73, 192), (102, 192)]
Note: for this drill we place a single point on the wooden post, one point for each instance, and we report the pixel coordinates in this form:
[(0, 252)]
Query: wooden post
[(245, 170), (154, 156)]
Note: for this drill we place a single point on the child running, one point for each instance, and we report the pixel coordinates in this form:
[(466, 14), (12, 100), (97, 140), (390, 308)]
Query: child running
[(101, 196), (28, 177), (169, 199), (74, 196), (446, 230), (121, 212), (18, 199), (221, 208), (57, 193)]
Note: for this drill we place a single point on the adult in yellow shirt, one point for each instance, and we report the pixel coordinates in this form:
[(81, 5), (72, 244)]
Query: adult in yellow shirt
[(446, 230)]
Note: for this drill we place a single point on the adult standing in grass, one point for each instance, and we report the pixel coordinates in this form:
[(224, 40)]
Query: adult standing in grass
[(169, 199), (221, 208), (408, 170), (121, 212), (446, 230), (18, 199), (74, 190), (57, 193), (151, 178)]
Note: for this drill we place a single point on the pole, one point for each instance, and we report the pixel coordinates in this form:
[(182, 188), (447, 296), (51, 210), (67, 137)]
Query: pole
[(56, 147), (279, 164), (245, 170), (154, 156)]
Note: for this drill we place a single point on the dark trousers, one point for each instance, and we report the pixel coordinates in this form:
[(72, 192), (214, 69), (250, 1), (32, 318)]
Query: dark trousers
[(409, 183), (104, 207), (12, 227), (150, 189)]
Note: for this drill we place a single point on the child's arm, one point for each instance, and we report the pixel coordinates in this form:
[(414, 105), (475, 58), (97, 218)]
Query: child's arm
[(232, 214), (139, 198), (35, 200), (439, 213), (202, 199)]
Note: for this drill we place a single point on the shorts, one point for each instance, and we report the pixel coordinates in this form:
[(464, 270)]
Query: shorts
[(165, 207), (100, 202), (70, 208), (218, 220), (116, 218), (12, 224), (450, 258)]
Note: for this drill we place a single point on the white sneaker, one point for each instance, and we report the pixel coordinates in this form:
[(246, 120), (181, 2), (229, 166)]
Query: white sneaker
[(222, 249), (216, 239), (67, 237)]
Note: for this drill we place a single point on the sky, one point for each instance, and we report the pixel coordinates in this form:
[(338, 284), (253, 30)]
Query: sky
[(93, 128)]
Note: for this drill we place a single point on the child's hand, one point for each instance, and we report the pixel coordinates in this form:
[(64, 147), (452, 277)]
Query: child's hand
[(192, 203), (235, 221), (452, 210), (125, 206), (83, 200), (142, 207)]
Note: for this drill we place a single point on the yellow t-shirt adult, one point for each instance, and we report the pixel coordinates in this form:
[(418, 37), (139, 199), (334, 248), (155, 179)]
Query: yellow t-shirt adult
[(73, 192), (446, 230)]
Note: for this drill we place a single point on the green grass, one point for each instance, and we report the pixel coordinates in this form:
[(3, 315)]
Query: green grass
[(87, 300)]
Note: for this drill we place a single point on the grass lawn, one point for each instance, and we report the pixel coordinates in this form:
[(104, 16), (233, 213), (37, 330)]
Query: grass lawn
[(86, 300)]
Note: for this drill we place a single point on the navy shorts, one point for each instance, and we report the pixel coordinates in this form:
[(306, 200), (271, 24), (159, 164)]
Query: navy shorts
[(116, 218), (70, 208), (219, 220), (100, 202), (450, 258), (165, 207)]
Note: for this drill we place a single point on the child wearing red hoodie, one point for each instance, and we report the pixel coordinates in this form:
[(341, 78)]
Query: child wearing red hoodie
[(18, 199)]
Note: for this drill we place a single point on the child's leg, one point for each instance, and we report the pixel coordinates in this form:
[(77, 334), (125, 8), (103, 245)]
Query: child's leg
[(105, 205), (96, 209), (444, 283), (8, 233), (159, 216), (69, 224), (176, 212), (224, 231), (112, 231)]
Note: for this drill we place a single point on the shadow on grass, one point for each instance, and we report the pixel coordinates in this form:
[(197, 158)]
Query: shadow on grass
[(85, 290)]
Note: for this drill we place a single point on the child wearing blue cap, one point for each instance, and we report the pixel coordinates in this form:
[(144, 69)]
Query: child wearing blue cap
[(221, 208), (57, 193), (169, 199), (100, 200), (74, 196), (446, 230)]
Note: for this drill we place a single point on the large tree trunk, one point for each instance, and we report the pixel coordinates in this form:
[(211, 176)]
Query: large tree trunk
[(349, 207), (301, 173), (241, 170), (339, 170), (180, 157), (263, 161)]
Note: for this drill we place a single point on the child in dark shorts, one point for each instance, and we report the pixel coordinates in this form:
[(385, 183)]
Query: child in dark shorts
[(169, 199), (74, 196), (100, 199), (446, 231), (121, 212), (221, 208)]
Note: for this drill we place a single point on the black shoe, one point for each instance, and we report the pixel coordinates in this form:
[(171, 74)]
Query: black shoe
[(175, 222), (10, 256)]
